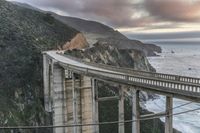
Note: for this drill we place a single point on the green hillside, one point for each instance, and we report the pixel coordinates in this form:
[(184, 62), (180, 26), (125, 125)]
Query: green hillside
[(24, 33)]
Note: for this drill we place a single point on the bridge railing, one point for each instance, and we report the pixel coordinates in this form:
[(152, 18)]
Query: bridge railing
[(149, 74), (159, 84), (141, 73)]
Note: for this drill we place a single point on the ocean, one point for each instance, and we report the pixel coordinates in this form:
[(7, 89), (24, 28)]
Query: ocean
[(182, 59)]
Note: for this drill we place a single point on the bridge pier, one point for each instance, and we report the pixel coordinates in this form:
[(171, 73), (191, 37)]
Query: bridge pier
[(95, 105), (72, 101), (135, 111), (169, 116), (74, 105), (58, 87), (121, 110)]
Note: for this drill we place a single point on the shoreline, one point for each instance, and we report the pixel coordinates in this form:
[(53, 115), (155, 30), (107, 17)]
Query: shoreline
[(184, 61)]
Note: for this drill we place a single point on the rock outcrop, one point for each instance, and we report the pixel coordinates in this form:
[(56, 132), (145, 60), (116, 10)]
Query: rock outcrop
[(111, 55), (78, 42), (147, 49)]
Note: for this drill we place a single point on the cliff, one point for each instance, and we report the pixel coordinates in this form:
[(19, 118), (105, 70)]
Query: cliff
[(108, 54), (78, 42), (147, 49)]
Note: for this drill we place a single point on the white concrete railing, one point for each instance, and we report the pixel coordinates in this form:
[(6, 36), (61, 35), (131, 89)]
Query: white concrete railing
[(145, 81), (141, 73), (187, 86)]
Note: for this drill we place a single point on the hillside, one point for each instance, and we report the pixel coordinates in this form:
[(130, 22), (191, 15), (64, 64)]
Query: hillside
[(91, 29), (96, 31), (24, 34)]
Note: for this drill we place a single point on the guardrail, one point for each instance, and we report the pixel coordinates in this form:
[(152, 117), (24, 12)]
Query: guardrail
[(162, 84), (169, 77)]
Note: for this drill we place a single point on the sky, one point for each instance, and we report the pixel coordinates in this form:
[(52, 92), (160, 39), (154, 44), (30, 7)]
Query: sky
[(131, 16)]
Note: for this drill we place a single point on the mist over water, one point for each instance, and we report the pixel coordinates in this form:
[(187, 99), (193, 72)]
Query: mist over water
[(182, 59)]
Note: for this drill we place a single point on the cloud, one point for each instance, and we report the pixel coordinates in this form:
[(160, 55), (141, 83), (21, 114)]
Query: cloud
[(118, 13), (127, 13), (174, 10)]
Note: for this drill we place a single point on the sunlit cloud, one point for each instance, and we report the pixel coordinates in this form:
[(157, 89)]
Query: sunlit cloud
[(174, 10)]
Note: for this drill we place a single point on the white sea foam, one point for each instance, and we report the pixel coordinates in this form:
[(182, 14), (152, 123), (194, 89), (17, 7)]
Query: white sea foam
[(184, 60)]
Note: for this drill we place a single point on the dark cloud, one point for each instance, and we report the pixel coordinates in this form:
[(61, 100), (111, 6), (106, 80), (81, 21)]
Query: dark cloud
[(174, 10)]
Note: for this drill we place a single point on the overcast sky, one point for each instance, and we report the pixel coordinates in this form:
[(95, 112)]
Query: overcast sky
[(130, 16)]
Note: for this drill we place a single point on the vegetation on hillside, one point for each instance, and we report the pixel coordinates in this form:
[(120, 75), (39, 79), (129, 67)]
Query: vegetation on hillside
[(24, 34)]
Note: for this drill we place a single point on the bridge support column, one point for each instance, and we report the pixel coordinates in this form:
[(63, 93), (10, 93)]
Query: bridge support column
[(121, 110), (135, 111), (169, 117), (87, 104), (58, 89), (95, 106), (74, 100)]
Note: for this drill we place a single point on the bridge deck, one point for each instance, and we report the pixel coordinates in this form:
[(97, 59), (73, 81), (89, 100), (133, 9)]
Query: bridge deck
[(178, 86)]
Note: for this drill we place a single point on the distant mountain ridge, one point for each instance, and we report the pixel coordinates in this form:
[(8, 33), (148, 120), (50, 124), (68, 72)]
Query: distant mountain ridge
[(88, 26), (95, 31)]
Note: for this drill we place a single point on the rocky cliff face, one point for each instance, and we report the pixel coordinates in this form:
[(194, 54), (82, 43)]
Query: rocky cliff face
[(111, 55), (24, 34), (147, 49), (78, 42)]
